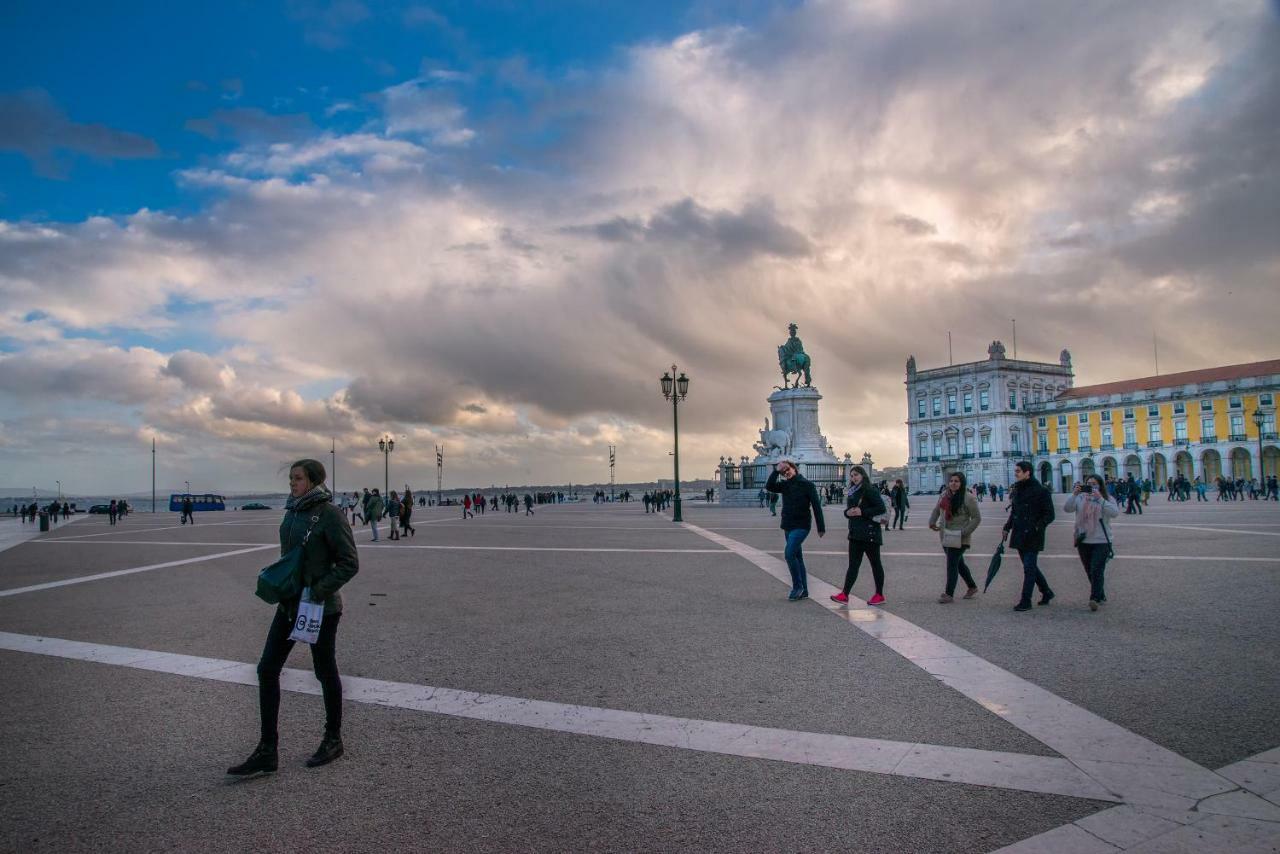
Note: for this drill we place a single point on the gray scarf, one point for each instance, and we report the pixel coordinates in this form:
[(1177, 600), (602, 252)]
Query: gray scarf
[(315, 495)]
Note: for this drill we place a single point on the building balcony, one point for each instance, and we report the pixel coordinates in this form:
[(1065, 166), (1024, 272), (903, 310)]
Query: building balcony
[(1270, 437), (1238, 437), (1085, 449), (1063, 449), (1131, 446), (984, 455), (1209, 437), (1106, 446), (1182, 442)]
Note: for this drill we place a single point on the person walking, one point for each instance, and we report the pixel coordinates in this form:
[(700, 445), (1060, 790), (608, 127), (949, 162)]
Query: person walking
[(955, 517), (1133, 491), (188, 510), (528, 504), (1030, 513), (112, 510), (901, 504), (1093, 506), (800, 499), (393, 516), (329, 560), (373, 511), (863, 506), (406, 513), (466, 507)]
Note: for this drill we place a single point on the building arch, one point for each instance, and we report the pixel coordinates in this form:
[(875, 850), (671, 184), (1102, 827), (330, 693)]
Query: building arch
[(1066, 475), (1046, 475), (1087, 468), (1270, 461), (1110, 469), (1159, 469), (1211, 465), (1241, 463), (1133, 466), (1184, 465)]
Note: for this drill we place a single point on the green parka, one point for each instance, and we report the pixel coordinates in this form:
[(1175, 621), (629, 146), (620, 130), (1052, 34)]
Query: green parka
[(329, 558)]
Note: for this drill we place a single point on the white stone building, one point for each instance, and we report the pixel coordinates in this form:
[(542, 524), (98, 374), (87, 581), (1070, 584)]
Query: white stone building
[(973, 417)]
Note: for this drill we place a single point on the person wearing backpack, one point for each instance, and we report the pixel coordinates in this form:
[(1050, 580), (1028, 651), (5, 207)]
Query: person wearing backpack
[(1093, 506), (864, 508)]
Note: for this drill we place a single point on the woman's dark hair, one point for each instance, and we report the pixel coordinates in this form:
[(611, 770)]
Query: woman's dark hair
[(313, 469), (957, 497), (1102, 484), (860, 470)]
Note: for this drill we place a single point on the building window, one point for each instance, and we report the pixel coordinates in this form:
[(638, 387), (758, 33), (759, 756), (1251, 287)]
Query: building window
[(968, 401), (1037, 395), (1062, 440), (937, 406), (1013, 398), (1062, 421), (1153, 411), (1043, 442), (1015, 443), (985, 445), (1084, 438), (1084, 418), (951, 403), (1236, 402), (984, 400), (1265, 399), (1040, 421), (1128, 412), (1179, 408), (937, 446), (1237, 425), (1106, 434), (1105, 416), (968, 444), (1130, 434), (1269, 422), (1206, 406), (922, 447), (951, 445), (1153, 431), (1208, 432), (921, 407), (1180, 431)]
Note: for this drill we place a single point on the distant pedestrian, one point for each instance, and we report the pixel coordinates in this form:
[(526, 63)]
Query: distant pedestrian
[(393, 516), (188, 510), (1030, 513), (373, 511), (466, 508), (406, 513), (329, 560), (863, 506), (800, 499), (1093, 507), (528, 504), (1133, 491), (112, 510), (898, 497), (956, 517)]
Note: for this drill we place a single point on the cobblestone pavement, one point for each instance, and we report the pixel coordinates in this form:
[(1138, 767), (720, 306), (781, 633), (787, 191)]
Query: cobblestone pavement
[(593, 677)]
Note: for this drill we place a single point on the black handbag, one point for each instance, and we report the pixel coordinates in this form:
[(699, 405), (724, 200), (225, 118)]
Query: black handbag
[(282, 580)]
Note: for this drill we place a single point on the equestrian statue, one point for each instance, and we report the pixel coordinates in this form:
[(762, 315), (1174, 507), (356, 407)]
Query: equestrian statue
[(792, 359)]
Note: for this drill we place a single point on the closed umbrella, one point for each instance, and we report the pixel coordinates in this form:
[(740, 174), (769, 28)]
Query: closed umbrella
[(994, 566)]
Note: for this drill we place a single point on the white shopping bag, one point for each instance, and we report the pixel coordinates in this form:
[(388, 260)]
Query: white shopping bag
[(306, 627)]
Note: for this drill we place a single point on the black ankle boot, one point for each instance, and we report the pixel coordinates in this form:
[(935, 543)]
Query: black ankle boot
[(330, 749), (264, 759)]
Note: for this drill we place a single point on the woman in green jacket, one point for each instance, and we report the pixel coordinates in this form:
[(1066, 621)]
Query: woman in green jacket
[(957, 510), (329, 560)]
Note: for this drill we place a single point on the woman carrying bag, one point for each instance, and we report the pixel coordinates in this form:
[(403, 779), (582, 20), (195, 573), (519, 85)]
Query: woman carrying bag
[(328, 560), (957, 510), (863, 506), (1093, 506)]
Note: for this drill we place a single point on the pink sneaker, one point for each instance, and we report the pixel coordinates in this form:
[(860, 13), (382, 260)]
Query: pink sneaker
[(876, 600), (839, 597)]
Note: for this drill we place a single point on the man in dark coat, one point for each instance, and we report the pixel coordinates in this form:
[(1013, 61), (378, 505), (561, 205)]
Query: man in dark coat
[(1031, 511), (799, 499)]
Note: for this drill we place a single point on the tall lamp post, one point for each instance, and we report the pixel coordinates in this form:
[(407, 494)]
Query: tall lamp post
[(1258, 420), (386, 444), (675, 389), (60, 482)]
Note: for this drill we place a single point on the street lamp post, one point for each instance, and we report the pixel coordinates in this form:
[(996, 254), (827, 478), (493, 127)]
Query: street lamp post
[(60, 483), (675, 389), (386, 444), (188, 483), (1258, 420)]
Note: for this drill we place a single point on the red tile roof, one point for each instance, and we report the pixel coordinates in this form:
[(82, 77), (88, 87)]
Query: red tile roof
[(1206, 375)]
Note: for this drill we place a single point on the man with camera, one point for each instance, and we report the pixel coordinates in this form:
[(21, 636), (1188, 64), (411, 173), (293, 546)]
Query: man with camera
[(799, 500)]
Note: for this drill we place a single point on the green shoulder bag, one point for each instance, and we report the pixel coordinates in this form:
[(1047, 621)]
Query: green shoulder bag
[(282, 580)]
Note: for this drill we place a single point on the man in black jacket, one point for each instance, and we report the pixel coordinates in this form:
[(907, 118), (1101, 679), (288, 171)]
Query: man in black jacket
[(799, 499), (1031, 511)]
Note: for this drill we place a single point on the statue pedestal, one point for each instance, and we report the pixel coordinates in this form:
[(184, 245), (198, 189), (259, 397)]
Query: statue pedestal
[(795, 410)]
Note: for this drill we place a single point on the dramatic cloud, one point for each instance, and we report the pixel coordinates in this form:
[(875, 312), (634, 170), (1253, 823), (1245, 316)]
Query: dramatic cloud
[(513, 284), (36, 127)]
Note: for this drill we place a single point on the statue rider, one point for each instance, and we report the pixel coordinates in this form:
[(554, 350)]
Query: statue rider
[(792, 357)]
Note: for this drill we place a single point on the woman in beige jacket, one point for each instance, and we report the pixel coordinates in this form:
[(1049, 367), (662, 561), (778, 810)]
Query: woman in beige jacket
[(957, 511)]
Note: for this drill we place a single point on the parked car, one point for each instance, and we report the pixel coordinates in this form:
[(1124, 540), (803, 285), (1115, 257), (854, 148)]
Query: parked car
[(254, 505), (100, 508)]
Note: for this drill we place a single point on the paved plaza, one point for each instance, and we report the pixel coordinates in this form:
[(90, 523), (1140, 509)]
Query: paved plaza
[(596, 678)]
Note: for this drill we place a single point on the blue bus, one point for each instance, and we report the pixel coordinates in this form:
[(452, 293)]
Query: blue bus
[(199, 502)]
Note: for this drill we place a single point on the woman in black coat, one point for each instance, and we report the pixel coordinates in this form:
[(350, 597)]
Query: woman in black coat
[(863, 506)]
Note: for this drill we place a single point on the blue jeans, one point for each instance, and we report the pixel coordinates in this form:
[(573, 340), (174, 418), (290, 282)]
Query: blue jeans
[(795, 560), (373, 523), (1032, 577)]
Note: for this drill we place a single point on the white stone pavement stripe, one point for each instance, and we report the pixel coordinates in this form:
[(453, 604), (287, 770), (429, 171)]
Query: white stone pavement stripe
[(1196, 528), (1134, 769), (1042, 774), (403, 546), (1043, 556), (14, 591), (1128, 828)]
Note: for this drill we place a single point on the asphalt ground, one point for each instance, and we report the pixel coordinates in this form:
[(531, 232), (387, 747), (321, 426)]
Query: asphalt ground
[(103, 757)]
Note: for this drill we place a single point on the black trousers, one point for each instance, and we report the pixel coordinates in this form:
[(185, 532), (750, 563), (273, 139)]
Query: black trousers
[(1032, 577), (858, 548), (899, 516), (957, 569), (324, 661)]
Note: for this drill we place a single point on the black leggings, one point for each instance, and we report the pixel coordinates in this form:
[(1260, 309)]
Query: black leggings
[(324, 661), (956, 567), (857, 548)]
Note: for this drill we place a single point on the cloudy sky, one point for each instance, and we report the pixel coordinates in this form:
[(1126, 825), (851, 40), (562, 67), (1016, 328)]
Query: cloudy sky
[(245, 229)]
